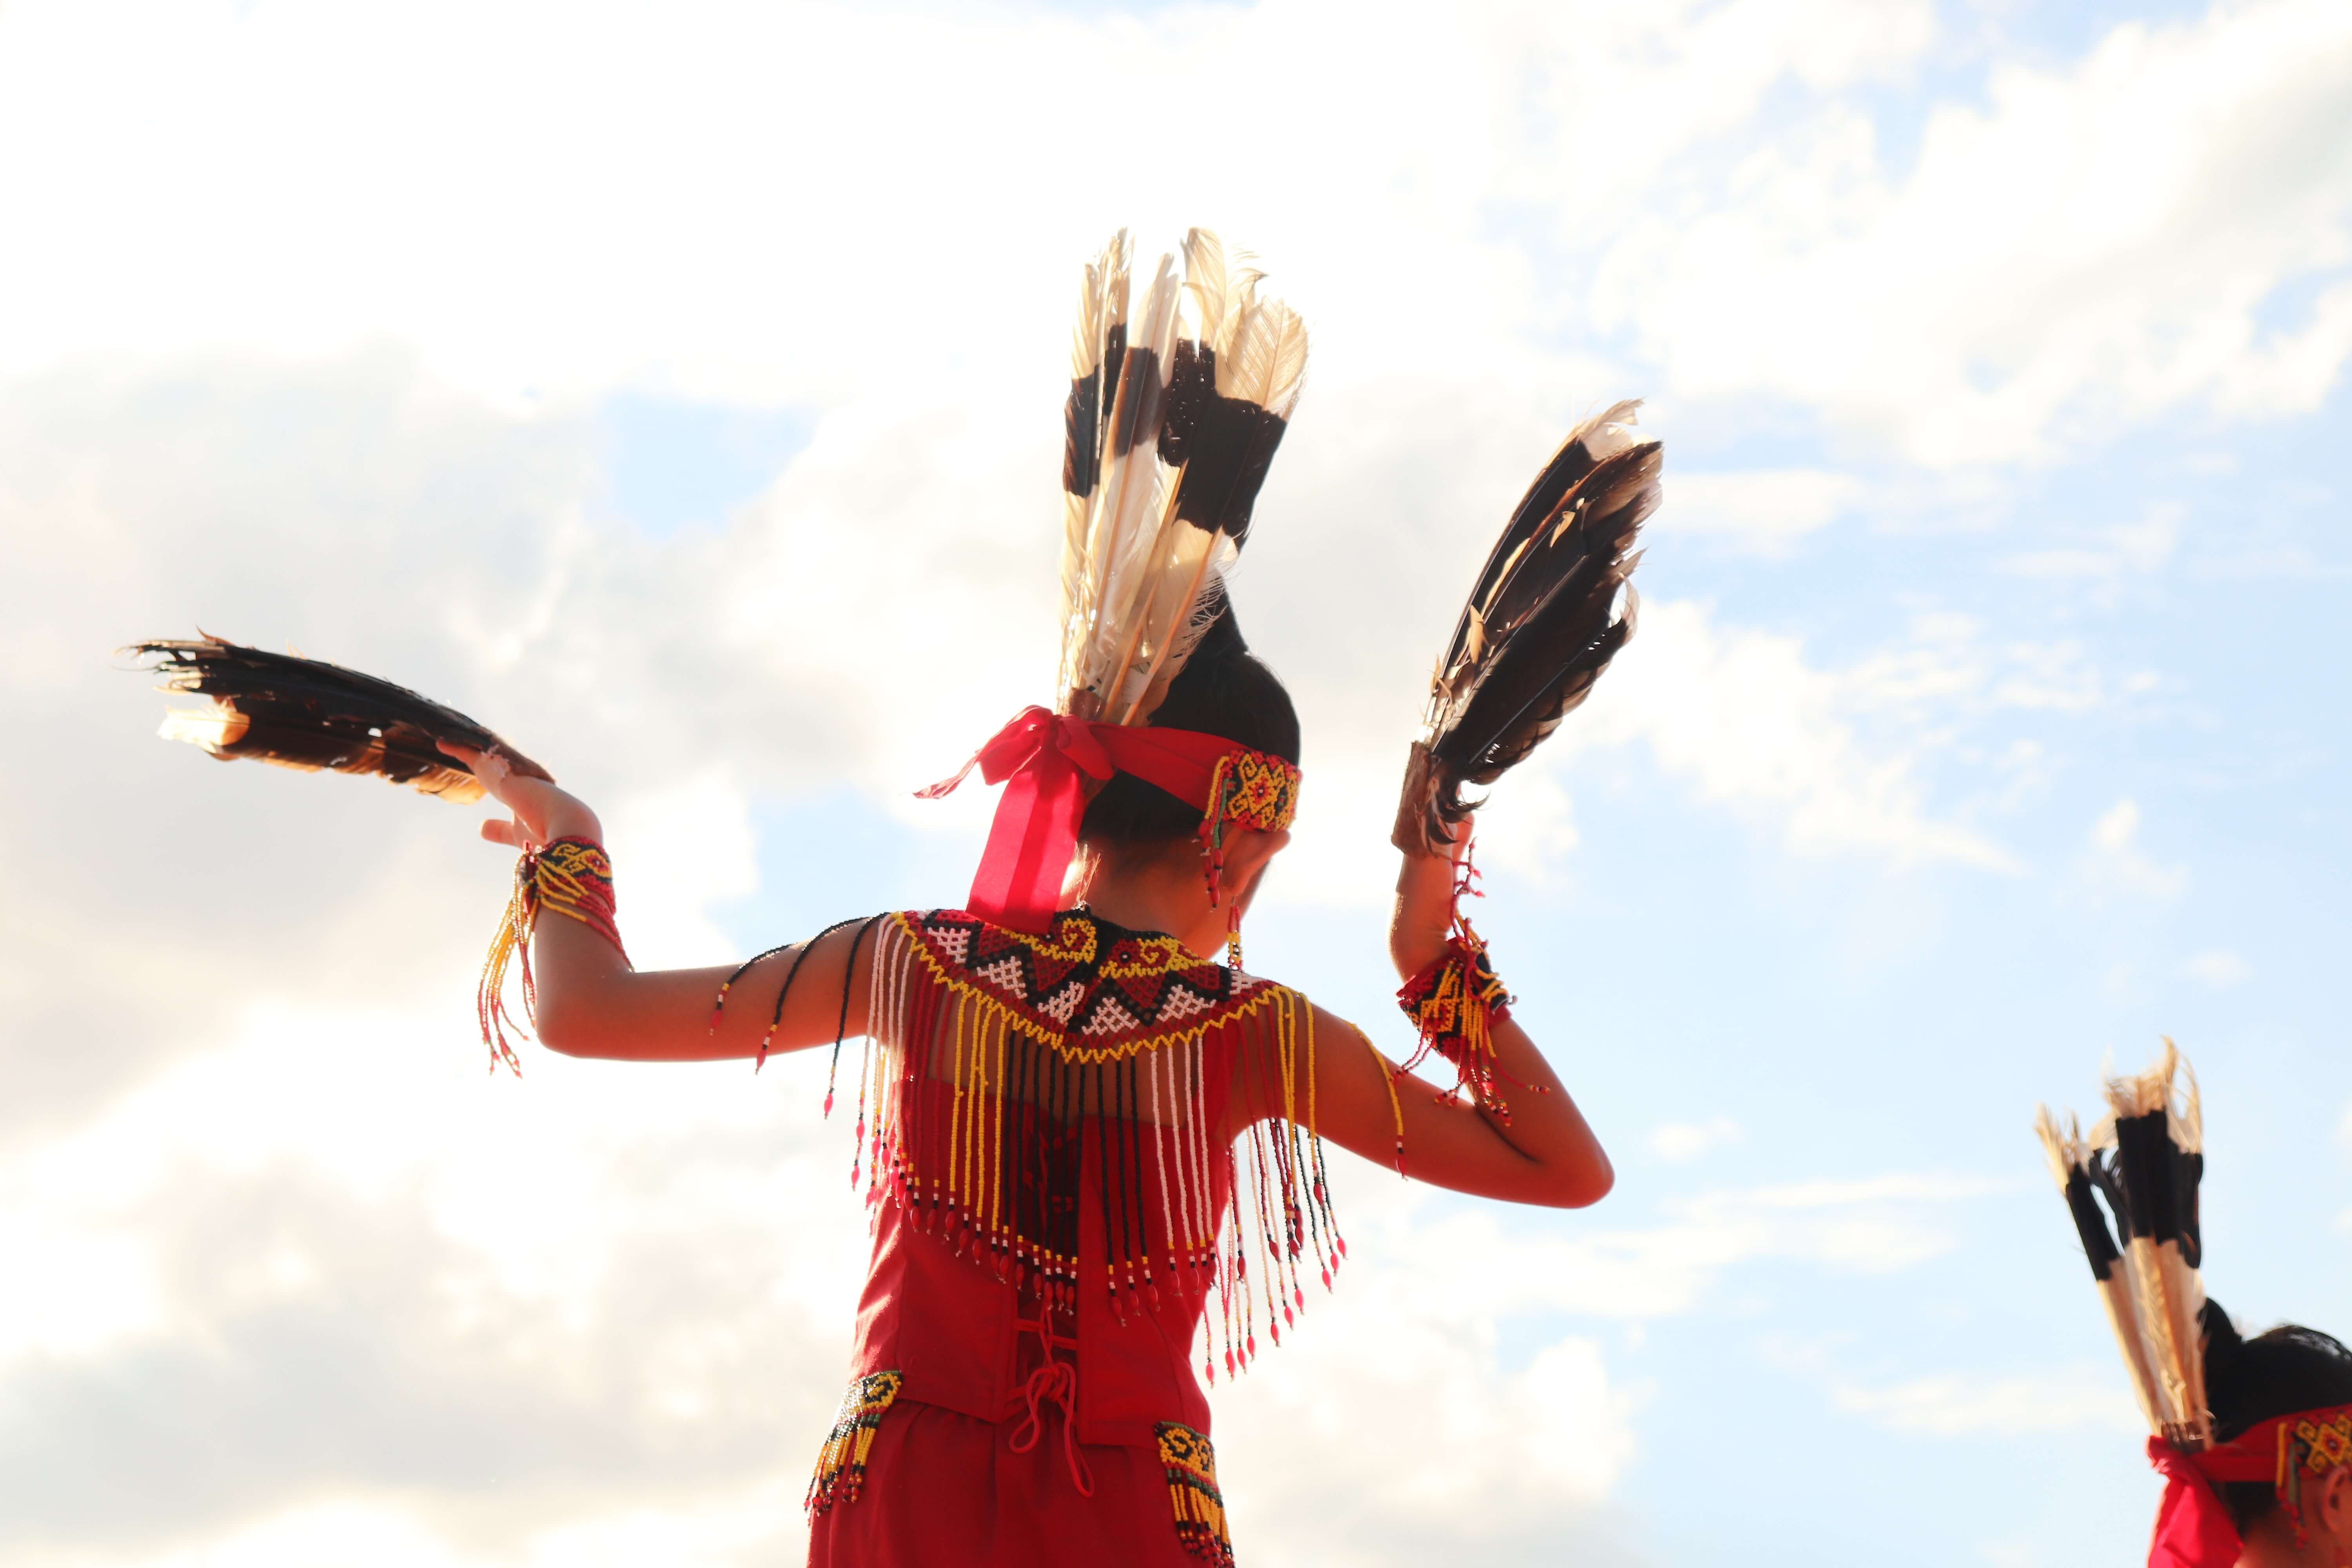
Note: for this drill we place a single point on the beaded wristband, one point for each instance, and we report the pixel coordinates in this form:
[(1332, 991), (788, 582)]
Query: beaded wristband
[(571, 876), (1455, 1002)]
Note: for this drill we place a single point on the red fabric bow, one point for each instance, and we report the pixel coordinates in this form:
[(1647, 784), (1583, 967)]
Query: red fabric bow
[(2192, 1527), (1047, 757)]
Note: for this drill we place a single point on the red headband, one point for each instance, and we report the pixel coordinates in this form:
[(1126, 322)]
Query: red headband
[(2193, 1528), (1048, 756)]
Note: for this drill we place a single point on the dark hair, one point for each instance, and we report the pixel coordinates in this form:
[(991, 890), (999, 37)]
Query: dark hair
[(1224, 689), (2247, 1382)]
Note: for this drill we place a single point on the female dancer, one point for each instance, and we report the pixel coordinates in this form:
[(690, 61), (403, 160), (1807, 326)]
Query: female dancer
[(1090, 1146)]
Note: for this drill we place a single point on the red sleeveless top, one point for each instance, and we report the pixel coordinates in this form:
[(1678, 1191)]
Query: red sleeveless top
[(1053, 1132)]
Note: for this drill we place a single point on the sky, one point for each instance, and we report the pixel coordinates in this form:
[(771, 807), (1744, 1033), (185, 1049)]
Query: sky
[(677, 389)]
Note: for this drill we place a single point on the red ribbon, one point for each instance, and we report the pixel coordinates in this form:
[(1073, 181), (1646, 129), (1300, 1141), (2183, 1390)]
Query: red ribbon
[(1048, 757), (2192, 1526)]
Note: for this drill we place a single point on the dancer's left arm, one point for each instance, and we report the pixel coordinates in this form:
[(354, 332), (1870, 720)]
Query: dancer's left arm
[(1545, 1153), (589, 1003)]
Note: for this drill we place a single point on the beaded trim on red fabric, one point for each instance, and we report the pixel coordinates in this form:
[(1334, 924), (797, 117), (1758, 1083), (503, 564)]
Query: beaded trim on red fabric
[(1005, 1067), (1095, 1000)]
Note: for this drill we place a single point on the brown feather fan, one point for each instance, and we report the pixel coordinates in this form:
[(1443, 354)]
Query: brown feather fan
[(309, 714), (1540, 626)]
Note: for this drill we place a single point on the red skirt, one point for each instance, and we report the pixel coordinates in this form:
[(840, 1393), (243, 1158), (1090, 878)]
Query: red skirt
[(946, 1490)]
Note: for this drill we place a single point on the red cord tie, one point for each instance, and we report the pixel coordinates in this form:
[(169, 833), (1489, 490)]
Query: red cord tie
[(1056, 1381)]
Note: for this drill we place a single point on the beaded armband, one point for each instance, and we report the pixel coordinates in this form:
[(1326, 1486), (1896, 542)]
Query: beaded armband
[(573, 876)]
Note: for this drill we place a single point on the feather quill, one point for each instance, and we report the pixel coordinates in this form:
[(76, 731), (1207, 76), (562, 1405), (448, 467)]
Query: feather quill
[(1097, 353), (1135, 486), (307, 713), (1551, 608), (1183, 459)]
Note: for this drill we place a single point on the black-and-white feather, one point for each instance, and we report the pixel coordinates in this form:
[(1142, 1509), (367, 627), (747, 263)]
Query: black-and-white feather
[(1210, 386)]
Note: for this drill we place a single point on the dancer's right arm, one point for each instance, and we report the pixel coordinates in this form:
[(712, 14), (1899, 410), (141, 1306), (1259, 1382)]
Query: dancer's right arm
[(589, 1003)]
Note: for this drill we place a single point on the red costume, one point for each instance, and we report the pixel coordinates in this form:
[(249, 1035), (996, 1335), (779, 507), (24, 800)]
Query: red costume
[(1051, 1128)]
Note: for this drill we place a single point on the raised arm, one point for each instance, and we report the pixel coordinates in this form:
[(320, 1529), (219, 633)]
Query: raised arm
[(1545, 1154), (592, 1004)]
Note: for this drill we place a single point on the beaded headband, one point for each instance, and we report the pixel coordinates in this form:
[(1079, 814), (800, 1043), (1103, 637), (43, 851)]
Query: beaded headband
[(2193, 1529), (1046, 761)]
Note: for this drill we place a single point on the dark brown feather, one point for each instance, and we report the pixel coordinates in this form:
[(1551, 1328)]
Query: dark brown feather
[(1542, 624), (1225, 445), (307, 713)]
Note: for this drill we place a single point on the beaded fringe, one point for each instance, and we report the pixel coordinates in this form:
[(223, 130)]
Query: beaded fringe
[(570, 875), (1191, 1466), (1457, 1002), (841, 1463), (1002, 1176)]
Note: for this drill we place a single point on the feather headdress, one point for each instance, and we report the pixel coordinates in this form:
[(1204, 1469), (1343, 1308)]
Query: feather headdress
[(1173, 420), (1543, 623), (309, 714), (2145, 1159)]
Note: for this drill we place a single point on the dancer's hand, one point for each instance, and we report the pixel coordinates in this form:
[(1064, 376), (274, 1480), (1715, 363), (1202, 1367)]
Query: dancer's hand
[(541, 812), (1424, 915)]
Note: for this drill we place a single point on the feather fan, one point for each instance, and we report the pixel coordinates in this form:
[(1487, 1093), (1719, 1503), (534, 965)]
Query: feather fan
[(306, 713), (1159, 494), (2146, 1160), (1543, 623)]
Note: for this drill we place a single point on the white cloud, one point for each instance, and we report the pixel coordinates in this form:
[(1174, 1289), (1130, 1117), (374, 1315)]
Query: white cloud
[(1766, 511), (1680, 1143), (2086, 246), (2130, 547), (2218, 967), (2117, 861), (1402, 1359), (755, 1525), (2089, 247), (1956, 1405), (1749, 722)]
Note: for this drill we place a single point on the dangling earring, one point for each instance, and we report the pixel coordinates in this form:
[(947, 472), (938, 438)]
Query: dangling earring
[(1233, 936)]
